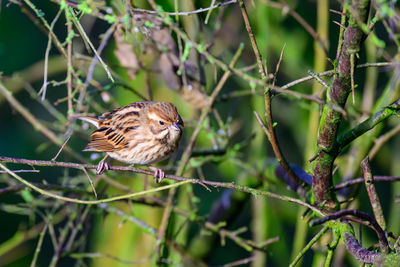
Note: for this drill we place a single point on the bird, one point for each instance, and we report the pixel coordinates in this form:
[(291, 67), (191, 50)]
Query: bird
[(140, 133)]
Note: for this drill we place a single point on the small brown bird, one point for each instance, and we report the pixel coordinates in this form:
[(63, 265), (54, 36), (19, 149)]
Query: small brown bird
[(139, 133)]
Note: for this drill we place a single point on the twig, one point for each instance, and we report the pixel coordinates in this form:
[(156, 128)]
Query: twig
[(91, 182), (332, 72), (367, 125), (340, 25), (267, 98), (70, 37), (92, 66), (209, 12), (278, 64), (48, 27), (331, 247), (22, 171), (360, 180), (46, 56), (380, 141), (32, 120), (63, 188), (300, 20), (39, 245), (105, 255), (45, 103), (61, 148), (85, 37), (207, 109), (360, 253), (201, 10), (143, 225), (316, 76), (372, 194), (309, 245), (245, 261), (210, 58), (81, 218)]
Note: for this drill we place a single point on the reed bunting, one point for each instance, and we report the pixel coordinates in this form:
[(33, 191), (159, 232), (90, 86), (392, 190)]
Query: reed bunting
[(140, 133)]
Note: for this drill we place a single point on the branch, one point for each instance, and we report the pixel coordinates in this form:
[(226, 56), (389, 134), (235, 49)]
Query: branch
[(250, 190), (361, 180), (89, 202), (360, 253), (366, 125), (363, 215), (330, 120)]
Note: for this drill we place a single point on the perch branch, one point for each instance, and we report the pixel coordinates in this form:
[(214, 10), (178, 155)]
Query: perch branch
[(252, 191)]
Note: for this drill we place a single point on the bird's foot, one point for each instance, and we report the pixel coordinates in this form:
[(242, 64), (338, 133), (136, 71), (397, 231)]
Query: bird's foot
[(102, 166), (158, 174)]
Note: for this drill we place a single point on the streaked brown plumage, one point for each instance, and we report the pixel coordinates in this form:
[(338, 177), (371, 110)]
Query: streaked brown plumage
[(139, 133)]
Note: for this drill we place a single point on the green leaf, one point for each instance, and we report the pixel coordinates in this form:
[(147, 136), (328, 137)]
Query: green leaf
[(84, 7), (27, 195)]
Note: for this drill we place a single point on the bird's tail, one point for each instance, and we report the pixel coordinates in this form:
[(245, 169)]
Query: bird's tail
[(91, 119)]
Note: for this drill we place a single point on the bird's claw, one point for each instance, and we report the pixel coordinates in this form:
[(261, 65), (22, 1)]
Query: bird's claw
[(102, 166), (158, 174)]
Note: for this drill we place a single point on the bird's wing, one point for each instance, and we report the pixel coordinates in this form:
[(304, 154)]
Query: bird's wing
[(115, 129)]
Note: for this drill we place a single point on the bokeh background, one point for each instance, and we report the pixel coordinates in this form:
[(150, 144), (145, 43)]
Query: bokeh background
[(231, 146)]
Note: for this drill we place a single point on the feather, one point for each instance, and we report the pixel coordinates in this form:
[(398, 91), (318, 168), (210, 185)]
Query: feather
[(91, 119)]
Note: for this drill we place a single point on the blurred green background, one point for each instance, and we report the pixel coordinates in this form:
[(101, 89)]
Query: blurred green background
[(95, 235)]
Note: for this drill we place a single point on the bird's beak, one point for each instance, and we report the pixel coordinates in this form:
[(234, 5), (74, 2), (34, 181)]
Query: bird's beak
[(178, 126)]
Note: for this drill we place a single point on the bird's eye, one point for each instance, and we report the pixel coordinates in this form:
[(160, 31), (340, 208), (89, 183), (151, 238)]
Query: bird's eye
[(161, 123)]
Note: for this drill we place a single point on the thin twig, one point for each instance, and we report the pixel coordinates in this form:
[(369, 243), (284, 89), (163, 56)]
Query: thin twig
[(372, 194), (22, 171), (85, 37), (92, 66), (46, 56), (91, 182), (70, 37), (361, 180), (39, 245), (35, 122), (381, 140), (201, 10), (61, 148), (309, 245), (105, 255), (300, 20), (267, 99), (245, 261)]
